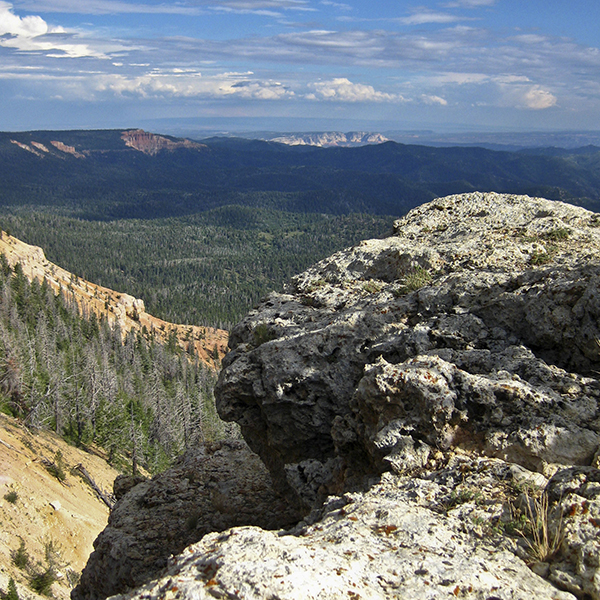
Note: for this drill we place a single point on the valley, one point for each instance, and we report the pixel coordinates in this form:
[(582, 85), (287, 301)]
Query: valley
[(201, 230)]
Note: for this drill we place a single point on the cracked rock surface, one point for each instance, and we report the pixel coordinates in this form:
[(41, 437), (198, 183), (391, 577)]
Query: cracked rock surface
[(211, 488), (429, 403), (475, 324)]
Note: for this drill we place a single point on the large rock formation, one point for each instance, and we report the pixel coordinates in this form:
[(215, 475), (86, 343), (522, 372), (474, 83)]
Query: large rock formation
[(217, 486), (474, 325), (430, 401)]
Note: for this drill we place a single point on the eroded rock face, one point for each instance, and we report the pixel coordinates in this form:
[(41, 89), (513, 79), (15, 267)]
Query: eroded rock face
[(213, 488), (406, 537), (474, 325), (430, 402)]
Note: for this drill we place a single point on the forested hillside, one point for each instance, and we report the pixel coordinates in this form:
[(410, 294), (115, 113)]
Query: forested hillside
[(201, 231), (77, 376), (206, 269)]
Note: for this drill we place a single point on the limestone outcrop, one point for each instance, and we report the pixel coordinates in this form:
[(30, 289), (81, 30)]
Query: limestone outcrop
[(474, 325), (212, 488), (430, 403)]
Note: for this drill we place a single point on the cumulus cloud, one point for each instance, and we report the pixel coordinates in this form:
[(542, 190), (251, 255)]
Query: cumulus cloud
[(33, 34), (539, 99), (190, 84), (13, 25), (343, 90)]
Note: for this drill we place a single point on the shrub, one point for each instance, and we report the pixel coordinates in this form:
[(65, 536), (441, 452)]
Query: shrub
[(417, 278), (20, 557), (262, 334), (560, 233), (12, 593), (11, 497), (42, 582), (56, 467)]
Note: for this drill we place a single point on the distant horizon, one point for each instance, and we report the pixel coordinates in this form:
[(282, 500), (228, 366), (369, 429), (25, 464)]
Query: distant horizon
[(192, 128)]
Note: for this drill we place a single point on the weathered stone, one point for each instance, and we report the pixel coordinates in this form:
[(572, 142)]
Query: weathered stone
[(123, 483), (212, 488), (369, 546), (577, 524), (459, 330), (429, 400)]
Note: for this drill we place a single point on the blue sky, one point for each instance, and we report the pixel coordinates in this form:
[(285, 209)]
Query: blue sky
[(447, 65)]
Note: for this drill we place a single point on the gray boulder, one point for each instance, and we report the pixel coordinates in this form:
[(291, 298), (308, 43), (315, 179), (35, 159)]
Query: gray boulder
[(475, 325), (429, 403), (212, 488)]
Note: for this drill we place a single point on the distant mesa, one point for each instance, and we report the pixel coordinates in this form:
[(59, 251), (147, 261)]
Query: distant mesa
[(152, 144), (134, 139), (331, 139)]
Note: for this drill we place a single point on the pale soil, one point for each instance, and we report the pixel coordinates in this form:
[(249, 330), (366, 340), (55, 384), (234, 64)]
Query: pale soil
[(71, 525)]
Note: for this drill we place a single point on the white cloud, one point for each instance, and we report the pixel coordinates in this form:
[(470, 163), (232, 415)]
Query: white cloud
[(434, 100), (343, 90), (421, 18), (33, 34), (13, 25), (191, 85), (539, 99), (267, 8), (338, 5)]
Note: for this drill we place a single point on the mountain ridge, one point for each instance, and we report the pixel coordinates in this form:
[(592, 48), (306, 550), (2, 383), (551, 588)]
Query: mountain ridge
[(119, 309), (175, 176)]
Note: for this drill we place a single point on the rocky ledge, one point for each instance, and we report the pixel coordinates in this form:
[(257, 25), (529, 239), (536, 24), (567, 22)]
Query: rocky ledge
[(429, 402)]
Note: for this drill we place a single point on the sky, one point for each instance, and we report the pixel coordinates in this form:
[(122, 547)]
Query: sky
[(298, 65)]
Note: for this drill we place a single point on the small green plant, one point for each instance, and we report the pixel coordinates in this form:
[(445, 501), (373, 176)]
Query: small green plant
[(11, 497), (42, 581), (462, 496), (56, 467), (20, 557), (372, 287), (560, 233), (52, 553), (417, 278), (541, 258), (315, 285), (262, 334)]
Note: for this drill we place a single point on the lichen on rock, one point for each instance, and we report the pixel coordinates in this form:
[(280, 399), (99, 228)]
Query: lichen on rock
[(429, 402), (493, 352)]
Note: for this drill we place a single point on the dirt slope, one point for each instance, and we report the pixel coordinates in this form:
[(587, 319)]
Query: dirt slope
[(68, 516)]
